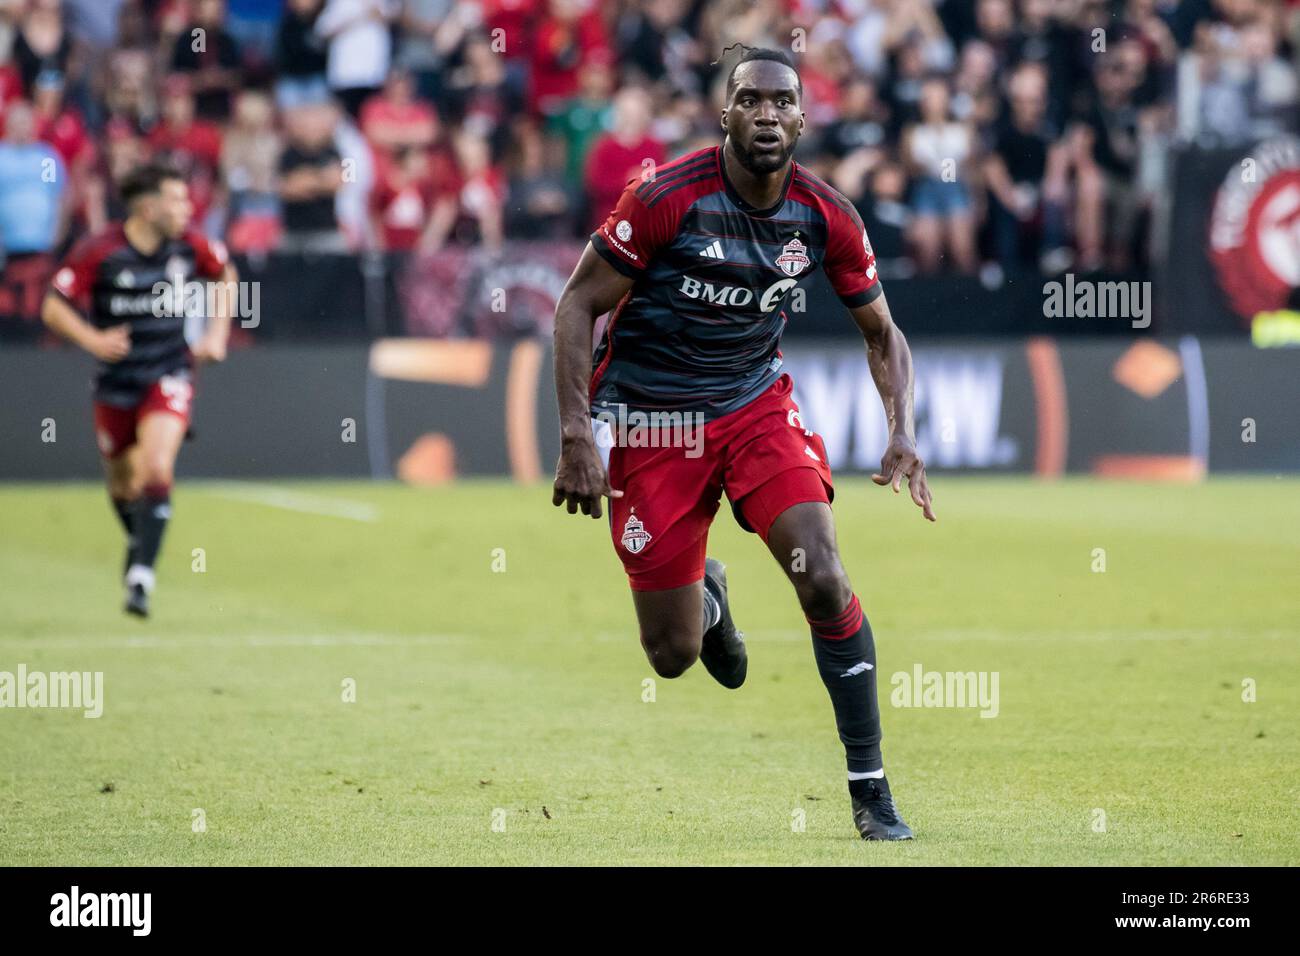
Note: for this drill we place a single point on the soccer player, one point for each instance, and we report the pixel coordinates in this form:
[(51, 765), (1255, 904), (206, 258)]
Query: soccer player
[(696, 263), (131, 284)]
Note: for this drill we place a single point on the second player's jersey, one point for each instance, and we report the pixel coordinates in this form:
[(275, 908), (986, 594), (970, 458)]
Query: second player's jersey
[(111, 283), (700, 329)]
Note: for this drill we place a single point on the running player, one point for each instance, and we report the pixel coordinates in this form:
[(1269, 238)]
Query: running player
[(130, 284), (697, 262)]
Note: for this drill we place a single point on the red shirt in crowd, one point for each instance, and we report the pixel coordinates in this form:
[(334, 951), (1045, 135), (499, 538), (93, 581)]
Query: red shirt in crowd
[(610, 165), (403, 196), (196, 149), (561, 49)]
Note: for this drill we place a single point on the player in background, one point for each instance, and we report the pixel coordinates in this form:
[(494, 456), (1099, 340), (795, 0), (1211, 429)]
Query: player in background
[(107, 297), (696, 263)]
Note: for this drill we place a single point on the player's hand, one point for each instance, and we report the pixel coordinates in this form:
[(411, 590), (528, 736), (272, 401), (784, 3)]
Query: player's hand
[(901, 461), (580, 479), (209, 350), (112, 344)]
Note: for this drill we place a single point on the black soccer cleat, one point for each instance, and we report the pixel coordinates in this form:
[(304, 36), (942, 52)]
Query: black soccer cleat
[(723, 650), (137, 601), (875, 814)]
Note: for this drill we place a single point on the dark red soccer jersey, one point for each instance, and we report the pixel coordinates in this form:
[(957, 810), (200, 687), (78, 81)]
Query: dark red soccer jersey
[(111, 283), (701, 327)]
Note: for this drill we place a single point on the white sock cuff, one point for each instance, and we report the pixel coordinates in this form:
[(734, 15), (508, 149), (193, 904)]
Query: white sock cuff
[(140, 574), (867, 774)]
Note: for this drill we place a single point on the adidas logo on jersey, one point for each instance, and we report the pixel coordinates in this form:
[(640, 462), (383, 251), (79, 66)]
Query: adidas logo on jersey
[(713, 250)]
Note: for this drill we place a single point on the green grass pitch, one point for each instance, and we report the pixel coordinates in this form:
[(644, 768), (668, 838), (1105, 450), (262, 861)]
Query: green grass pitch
[(501, 713)]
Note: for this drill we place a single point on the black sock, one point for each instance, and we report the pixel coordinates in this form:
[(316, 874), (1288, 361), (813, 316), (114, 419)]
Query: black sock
[(125, 510), (842, 645), (152, 510), (126, 514)]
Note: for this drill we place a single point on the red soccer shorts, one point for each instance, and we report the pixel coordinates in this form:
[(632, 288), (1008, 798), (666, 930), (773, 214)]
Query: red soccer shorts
[(760, 455), (115, 426)]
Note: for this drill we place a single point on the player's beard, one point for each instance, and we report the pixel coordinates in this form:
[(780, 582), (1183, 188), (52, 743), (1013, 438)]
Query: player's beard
[(761, 164)]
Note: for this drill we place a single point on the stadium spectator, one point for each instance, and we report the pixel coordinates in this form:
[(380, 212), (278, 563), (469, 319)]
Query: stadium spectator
[(395, 120), (938, 151), (480, 94), (477, 214), (540, 207), (311, 174), (208, 52), (1026, 176), (122, 150), (42, 42), (250, 155), (568, 35), (627, 151), (188, 143), (130, 92), (584, 117), (32, 187), (1105, 146), (407, 189), (60, 124), (300, 56), (429, 32), (360, 48)]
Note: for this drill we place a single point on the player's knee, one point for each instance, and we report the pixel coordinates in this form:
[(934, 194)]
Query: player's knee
[(824, 590), (123, 489), (156, 471), (670, 653)]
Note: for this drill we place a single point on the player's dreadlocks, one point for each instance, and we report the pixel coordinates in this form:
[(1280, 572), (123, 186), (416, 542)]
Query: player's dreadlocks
[(752, 53)]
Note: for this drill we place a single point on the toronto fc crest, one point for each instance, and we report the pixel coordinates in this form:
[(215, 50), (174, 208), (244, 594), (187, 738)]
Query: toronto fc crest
[(635, 536), (794, 257)]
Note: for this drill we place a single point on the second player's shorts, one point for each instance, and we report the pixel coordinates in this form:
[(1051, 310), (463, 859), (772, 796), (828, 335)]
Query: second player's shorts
[(760, 455), (115, 425)]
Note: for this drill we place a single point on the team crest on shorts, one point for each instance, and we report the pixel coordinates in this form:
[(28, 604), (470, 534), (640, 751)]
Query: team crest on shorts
[(635, 536), (794, 257)]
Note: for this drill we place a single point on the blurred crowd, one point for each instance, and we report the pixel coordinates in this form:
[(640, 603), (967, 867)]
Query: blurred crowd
[(1021, 134)]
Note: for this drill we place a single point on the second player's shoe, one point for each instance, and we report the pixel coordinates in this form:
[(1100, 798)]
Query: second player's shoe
[(874, 812), (137, 600), (723, 651)]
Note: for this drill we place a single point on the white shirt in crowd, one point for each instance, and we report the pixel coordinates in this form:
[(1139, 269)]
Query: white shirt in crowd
[(360, 44)]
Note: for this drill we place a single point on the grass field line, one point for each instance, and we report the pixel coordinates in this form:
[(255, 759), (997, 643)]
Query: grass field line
[(167, 642), (303, 502), (761, 636)]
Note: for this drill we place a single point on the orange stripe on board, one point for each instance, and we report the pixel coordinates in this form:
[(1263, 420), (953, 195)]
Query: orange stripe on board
[(1150, 467), (521, 411), (1053, 415), (466, 362)]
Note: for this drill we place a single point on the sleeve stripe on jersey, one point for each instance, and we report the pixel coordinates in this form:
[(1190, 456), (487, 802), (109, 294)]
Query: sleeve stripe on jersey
[(671, 173), (866, 296), (613, 258)]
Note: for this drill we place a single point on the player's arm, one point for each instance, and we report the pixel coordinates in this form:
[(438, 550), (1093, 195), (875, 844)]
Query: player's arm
[(72, 282), (594, 288), (212, 346), (107, 345), (890, 361), (212, 263)]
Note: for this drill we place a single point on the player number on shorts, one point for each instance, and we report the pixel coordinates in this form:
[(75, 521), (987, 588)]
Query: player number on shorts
[(177, 391)]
